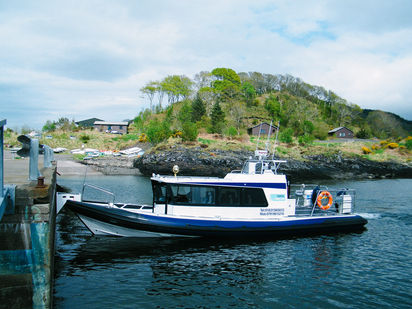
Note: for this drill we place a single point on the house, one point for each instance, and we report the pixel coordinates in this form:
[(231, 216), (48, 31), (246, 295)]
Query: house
[(112, 127), (341, 132), (87, 123), (263, 128)]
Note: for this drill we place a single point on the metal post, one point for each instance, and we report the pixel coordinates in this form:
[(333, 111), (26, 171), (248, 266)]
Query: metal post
[(48, 156), (2, 124), (34, 172)]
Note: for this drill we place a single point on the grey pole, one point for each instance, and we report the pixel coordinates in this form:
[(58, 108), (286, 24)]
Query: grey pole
[(2, 124), (34, 172)]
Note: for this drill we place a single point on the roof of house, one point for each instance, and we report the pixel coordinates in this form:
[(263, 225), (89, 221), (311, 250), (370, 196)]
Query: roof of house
[(337, 129), (87, 122), (112, 123), (274, 126)]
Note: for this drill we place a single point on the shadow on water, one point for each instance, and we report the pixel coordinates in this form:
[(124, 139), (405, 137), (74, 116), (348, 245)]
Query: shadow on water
[(87, 248)]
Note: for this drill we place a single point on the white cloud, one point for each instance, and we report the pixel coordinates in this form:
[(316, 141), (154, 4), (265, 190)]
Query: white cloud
[(85, 59)]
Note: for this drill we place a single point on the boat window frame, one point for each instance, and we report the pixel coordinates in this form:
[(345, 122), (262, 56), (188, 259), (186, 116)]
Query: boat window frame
[(219, 191)]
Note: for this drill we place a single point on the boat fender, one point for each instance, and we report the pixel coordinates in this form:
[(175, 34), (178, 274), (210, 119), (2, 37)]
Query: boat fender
[(321, 196)]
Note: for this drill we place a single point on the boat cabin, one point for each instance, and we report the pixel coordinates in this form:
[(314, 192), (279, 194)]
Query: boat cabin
[(253, 192)]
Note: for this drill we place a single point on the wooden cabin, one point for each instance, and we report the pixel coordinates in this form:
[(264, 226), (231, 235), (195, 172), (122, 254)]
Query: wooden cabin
[(263, 128), (341, 132), (112, 127)]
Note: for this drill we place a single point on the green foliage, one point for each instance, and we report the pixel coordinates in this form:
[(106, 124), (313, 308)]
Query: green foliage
[(185, 113), (198, 109), (363, 133), (408, 144), (157, 131), (126, 137), (272, 105), (61, 124), (231, 132), (84, 138), (49, 126), (321, 130), (308, 127), (286, 136), (217, 118), (305, 139), (141, 119), (249, 93), (176, 87), (189, 132), (309, 111), (227, 83)]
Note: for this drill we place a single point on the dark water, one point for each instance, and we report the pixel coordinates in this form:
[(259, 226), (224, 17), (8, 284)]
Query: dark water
[(370, 269)]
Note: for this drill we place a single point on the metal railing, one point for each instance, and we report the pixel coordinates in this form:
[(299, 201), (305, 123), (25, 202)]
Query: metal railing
[(342, 200), (7, 192), (101, 190)]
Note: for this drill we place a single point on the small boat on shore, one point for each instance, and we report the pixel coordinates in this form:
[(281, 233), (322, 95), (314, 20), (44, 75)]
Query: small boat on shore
[(255, 201)]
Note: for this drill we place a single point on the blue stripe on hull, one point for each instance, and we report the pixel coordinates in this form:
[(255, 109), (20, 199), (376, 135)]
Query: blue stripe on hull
[(224, 228), (240, 184)]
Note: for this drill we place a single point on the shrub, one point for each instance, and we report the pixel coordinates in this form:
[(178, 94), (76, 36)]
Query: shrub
[(231, 132), (286, 136), (157, 131), (305, 139), (392, 145), (366, 150), (363, 134), (84, 138), (143, 138), (408, 143), (189, 131)]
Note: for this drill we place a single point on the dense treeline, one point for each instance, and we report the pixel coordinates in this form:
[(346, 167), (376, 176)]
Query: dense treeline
[(225, 102)]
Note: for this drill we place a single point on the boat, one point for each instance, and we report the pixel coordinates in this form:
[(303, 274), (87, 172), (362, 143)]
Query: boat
[(253, 202)]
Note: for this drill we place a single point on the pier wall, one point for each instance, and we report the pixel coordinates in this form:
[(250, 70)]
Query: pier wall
[(27, 239)]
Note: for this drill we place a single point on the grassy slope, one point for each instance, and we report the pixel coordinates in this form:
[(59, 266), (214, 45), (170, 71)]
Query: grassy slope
[(211, 142)]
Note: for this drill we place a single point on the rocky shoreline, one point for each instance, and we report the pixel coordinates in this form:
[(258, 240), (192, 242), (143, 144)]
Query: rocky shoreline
[(113, 165), (203, 162)]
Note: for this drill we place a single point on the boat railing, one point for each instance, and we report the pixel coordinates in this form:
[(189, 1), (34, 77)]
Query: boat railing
[(336, 201), (99, 189)]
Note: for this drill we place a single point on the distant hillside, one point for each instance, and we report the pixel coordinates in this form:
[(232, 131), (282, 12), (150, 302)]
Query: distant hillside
[(385, 124), (225, 102)]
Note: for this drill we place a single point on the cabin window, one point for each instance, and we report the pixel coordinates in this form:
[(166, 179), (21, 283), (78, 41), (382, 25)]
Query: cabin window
[(216, 196), (159, 192), (254, 197)]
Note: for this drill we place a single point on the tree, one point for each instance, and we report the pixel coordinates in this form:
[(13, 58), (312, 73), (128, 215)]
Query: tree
[(176, 87), (157, 131), (226, 84), (249, 93), (286, 136), (185, 113), (237, 111), (189, 131), (217, 118), (49, 126), (149, 91), (198, 109), (273, 106)]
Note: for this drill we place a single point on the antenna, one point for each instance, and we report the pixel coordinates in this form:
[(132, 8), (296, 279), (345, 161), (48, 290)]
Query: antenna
[(257, 142), (276, 141), (268, 139)]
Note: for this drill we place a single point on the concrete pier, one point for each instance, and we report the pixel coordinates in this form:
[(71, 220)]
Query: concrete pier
[(27, 238)]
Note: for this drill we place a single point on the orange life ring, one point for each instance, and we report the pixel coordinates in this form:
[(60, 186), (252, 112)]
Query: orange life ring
[(321, 196)]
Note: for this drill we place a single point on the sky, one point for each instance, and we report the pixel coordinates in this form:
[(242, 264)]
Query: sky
[(84, 59)]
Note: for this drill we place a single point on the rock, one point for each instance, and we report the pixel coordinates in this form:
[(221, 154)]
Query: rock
[(205, 162)]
